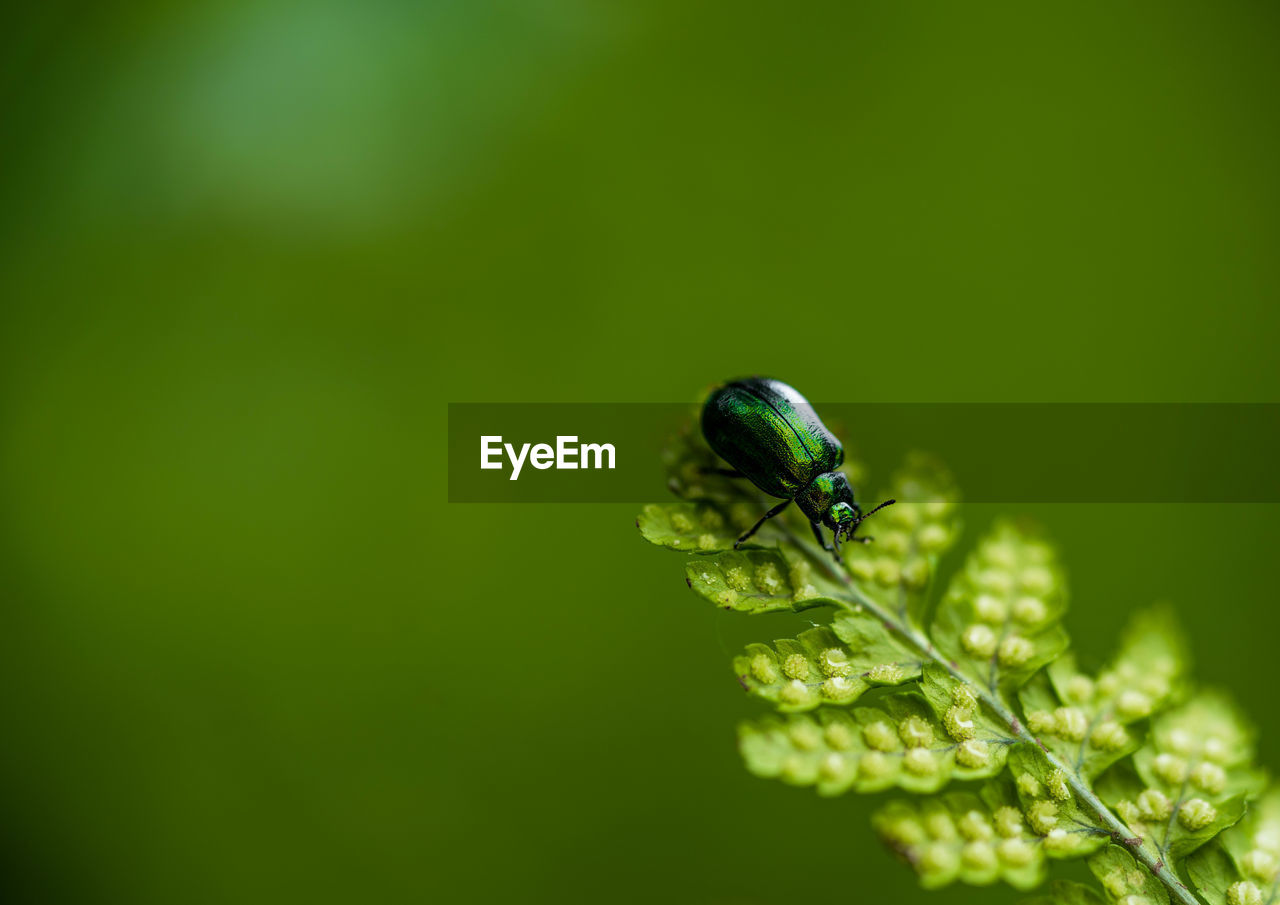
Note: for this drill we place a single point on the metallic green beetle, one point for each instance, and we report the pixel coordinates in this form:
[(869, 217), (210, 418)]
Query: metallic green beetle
[(771, 436)]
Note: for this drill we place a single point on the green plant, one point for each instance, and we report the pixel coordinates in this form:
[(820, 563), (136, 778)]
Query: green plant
[(973, 702)]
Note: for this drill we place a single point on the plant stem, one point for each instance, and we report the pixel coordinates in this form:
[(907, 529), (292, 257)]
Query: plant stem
[(1151, 860)]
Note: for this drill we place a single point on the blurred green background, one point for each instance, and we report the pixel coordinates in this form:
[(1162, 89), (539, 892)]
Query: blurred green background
[(249, 250)]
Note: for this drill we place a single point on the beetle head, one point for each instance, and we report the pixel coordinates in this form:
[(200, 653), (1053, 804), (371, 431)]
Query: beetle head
[(844, 518), (829, 499)]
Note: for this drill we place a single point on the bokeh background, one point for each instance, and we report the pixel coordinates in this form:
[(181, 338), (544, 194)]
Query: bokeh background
[(251, 249)]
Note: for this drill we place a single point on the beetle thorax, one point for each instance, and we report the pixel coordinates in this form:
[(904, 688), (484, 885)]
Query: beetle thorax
[(821, 500)]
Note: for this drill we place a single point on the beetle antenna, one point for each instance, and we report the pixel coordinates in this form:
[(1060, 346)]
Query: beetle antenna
[(865, 516)]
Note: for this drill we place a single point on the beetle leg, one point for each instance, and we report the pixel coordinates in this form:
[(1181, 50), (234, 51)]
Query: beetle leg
[(851, 536), (832, 548), (817, 534), (764, 518)]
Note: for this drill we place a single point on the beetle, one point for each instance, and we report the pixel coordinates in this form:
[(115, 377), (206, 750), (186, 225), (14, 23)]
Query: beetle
[(771, 436)]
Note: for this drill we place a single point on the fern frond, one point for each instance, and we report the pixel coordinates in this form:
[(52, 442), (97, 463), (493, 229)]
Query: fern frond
[(1123, 768)]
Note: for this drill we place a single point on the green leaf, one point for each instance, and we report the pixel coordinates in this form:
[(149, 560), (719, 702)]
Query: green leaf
[(974, 838), (1082, 733), (824, 752), (1214, 874), (686, 527), (982, 740), (833, 665), (1192, 778), (879, 654), (999, 619), (1121, 877), (1051, 806), (757, 581), (1087, 722), (1254, 842), (1243, 865), (895, 570), (899, 744), (1152, 660), (1207, 729), (1170, 823), (799, 674), (1064, 892)]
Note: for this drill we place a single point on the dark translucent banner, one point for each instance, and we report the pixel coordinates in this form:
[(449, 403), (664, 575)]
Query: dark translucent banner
[(999, 452)]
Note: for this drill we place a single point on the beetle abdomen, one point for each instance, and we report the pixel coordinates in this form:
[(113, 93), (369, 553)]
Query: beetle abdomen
[(770, 433)]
